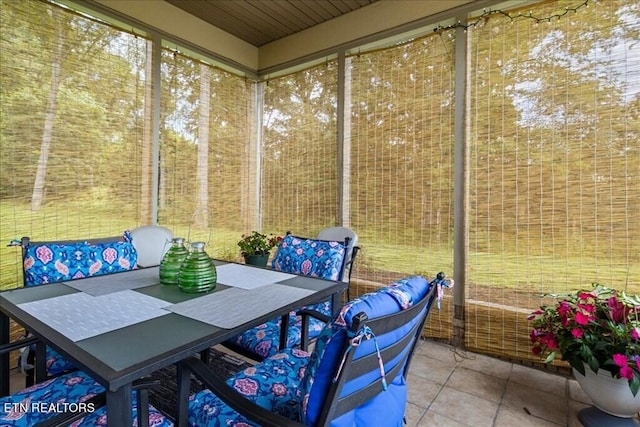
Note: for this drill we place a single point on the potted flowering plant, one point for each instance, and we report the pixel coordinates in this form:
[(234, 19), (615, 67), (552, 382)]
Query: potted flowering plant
[(255, 247), (598, 328)]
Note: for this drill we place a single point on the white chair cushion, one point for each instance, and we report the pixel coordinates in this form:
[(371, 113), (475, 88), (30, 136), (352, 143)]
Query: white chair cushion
[(151, 243)]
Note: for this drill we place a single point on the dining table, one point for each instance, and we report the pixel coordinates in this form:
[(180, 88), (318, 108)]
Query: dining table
[(121, 327)]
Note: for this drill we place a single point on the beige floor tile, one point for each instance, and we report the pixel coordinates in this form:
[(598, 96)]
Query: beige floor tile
[(576, 393), (430, 368), (421, 391), (446, 354), (431, 419), (413, 414), (464, 408), (535, 378), (538, 403), (478, 384), (509, 417), (488, 365)]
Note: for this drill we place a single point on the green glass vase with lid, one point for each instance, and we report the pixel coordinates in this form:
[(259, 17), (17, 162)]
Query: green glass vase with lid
[(172, 261), (197, 272)]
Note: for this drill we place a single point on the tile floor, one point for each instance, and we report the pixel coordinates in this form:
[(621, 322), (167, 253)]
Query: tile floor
[(452, 388)]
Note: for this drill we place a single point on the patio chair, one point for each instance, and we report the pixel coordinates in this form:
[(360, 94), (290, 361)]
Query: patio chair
[(340, 234), (77, 399), (312, 257), (151, 243), (65, 260), (356, 374)]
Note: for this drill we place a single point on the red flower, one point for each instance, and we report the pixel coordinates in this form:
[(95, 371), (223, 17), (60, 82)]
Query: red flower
[(582, 319), (617, 310), (577, 332), (620, 359)]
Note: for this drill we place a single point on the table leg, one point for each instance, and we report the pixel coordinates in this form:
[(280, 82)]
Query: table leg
[(119, 406), (41, 362), (4, 358), (183, 378)]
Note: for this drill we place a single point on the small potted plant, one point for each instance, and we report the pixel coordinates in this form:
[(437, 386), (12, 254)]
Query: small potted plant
[(256, 247), (597, 332)]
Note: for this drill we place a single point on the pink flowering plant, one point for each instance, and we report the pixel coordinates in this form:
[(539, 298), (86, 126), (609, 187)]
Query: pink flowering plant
[(598, 327)]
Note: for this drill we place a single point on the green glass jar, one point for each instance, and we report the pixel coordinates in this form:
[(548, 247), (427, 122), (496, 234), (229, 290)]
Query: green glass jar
[(198, 272), (171, 262)]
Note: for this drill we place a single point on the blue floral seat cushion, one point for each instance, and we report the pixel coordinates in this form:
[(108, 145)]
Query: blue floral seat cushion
[(264, 340), (311, 257), (99, 417), (74, 387), (272, 384), (56, 363), (56, 262)]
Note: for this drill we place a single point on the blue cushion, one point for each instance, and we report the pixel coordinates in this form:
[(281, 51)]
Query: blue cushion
[(264, 339), (75, 387), (57, 262), (272, 384), (56, 363), (99, 417), (311, 257), (324, 360)]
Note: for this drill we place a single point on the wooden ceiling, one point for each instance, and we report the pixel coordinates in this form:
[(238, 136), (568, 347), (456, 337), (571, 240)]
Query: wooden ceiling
[(259, 22)]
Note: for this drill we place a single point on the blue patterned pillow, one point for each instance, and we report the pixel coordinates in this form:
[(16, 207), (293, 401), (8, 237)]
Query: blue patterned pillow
[(310, 257), (56, 262)]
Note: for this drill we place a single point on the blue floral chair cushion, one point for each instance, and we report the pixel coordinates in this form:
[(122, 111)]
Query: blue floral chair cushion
[(294, 383), (56, 262), (311, 257), (272, 384), (99, 417), (264, 339), (75, 387), (16, 410), (56, 363)]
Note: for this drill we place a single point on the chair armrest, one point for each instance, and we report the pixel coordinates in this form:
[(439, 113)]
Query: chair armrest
[(16, 345), (304, 327), (245, 407), (313, 313)]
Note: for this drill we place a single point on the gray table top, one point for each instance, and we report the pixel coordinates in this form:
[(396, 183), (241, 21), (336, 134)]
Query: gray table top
[(177, 326)]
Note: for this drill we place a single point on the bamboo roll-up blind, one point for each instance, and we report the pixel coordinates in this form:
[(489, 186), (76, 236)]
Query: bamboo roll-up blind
[(72, 99), (554, 164), (299, 183), (207, 154), (401, 144)]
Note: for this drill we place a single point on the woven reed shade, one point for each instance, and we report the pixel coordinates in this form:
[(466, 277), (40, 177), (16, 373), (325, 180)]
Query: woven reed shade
[(207, 154), (401, 143), (554, 164), (299, 152), (73, 129)]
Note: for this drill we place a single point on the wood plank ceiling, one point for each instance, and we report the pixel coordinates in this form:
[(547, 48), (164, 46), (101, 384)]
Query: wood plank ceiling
[(259, 22)]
